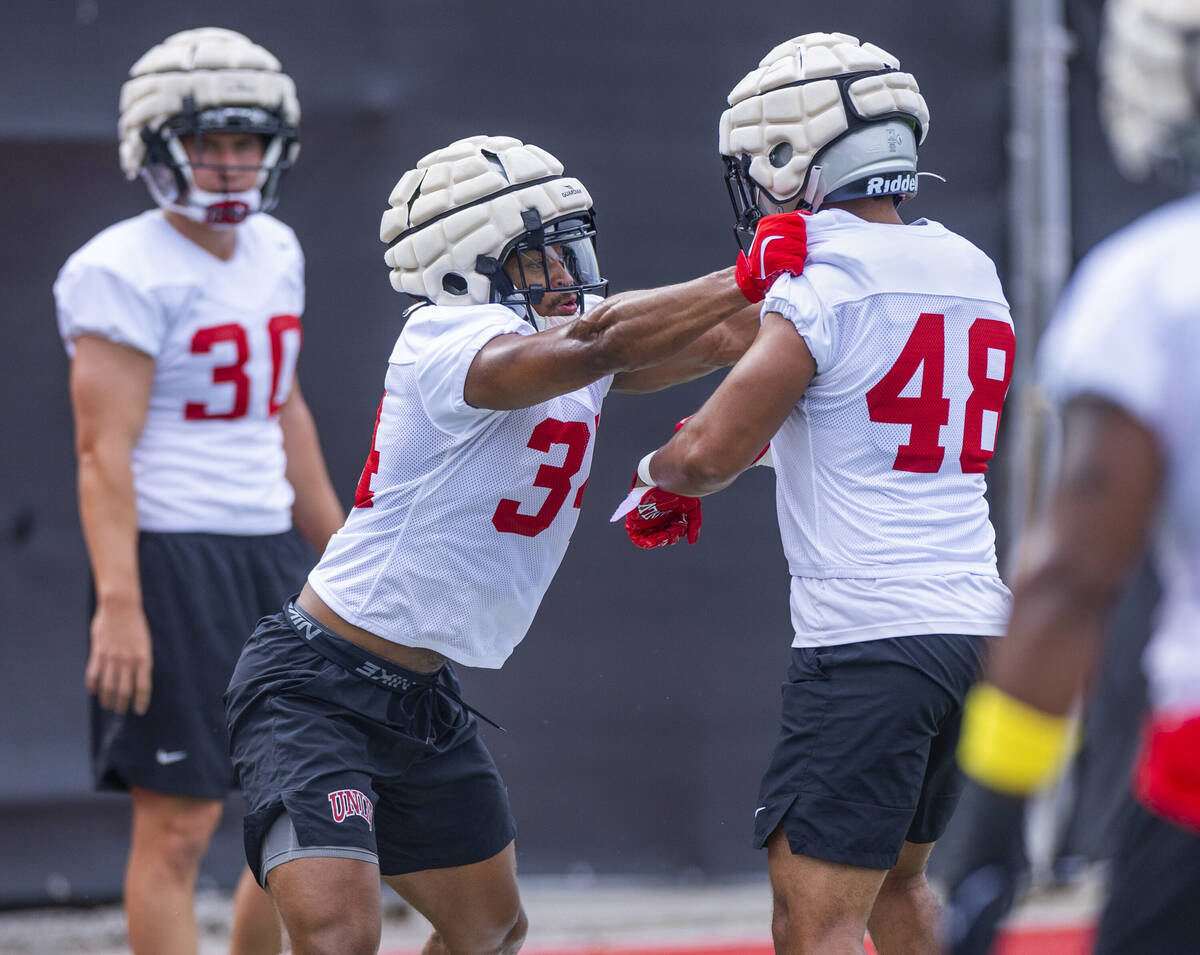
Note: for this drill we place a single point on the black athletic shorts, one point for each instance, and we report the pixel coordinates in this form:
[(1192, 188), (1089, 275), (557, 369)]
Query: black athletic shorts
[(1153, 889), (368, 760), (202, 594), (865, 757)]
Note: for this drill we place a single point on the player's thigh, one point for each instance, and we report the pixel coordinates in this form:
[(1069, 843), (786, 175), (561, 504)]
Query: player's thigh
[(471, 906), (184, 820), (328, 904), (914, 857), (817, 896)]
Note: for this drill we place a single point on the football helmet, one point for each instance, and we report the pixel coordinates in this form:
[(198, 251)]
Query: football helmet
[(492, 219), (824, 118), (1150, 85), (207, 80)]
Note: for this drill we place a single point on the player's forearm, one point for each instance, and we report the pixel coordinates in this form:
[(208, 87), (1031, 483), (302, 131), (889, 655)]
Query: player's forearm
[(316, 511), (1054, 636), (719, 347), (640, 328), (108, 514)]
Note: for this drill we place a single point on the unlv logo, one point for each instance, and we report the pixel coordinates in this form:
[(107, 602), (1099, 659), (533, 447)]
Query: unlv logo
[(350, 802)]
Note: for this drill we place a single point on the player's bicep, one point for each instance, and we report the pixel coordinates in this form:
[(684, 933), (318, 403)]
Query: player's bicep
[(719, 347), (516, 371), (1108, 489), (110, 390), (756, 396)]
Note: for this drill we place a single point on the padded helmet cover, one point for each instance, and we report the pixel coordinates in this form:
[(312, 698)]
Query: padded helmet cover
[(471, 199), (805, 95)]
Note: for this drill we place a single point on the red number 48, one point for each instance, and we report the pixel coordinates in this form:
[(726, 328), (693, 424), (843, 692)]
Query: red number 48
[(929, 410)]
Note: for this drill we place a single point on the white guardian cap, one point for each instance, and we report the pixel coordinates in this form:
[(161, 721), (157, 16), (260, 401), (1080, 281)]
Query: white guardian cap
[(207, 80), (824, 118), (1150, 85), (491, 219)]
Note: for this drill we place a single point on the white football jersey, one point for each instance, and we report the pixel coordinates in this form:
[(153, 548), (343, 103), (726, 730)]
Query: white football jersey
[(224, 337), (462, 514), (1128, 331), (880, 466)]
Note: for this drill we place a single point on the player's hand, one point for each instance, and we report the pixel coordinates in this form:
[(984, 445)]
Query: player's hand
[(120, 660), (780, 245), (662, 519)]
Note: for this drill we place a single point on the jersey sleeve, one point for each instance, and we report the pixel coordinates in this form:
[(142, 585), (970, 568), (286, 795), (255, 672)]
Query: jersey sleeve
[(794, 297), (443, 351), (95, 300), (1107, 341)]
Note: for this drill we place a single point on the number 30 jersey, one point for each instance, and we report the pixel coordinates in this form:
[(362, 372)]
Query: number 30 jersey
[(224, 337), (880, 466), (462, 514)]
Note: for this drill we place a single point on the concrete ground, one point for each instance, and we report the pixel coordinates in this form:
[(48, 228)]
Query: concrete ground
[(587, 917)]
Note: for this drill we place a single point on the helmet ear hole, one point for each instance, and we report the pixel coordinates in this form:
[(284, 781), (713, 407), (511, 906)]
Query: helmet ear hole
[(454, 283), (780, 155)]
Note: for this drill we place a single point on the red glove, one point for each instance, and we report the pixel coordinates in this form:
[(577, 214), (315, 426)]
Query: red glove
[(1167, 775), (662, 518), (780, 245)]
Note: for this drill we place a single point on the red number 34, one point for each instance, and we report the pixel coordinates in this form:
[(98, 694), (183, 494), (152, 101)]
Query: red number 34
[(930, 409)]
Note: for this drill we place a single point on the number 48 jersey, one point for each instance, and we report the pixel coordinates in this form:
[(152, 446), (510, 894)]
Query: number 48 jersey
[(462, 514), (880, 467)]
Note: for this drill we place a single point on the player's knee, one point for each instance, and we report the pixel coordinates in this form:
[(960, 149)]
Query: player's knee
[(779, 924), (177, 840), (515, 937), (332, 933), (503, 935), (816, 926)]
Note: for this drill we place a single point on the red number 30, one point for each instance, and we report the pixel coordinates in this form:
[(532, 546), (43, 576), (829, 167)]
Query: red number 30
[(235, 372), (929, 410)]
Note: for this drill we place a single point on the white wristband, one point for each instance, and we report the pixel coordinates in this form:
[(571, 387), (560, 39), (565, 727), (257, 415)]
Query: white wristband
[(643, 469)]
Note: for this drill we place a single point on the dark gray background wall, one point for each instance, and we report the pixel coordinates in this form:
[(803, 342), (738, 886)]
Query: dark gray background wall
[(642, 705)]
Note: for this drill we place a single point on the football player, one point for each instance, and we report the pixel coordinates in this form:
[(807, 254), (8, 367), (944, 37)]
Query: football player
[(1120, 360), (878, 378), (356, 752), (196, 451)]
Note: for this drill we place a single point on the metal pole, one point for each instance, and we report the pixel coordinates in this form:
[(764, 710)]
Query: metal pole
[(1040, 226), (1040, 219)]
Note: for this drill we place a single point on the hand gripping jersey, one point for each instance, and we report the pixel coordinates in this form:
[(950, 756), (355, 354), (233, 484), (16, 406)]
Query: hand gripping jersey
[(880, 466), (462, 514), (1128, 331), (224, 337)]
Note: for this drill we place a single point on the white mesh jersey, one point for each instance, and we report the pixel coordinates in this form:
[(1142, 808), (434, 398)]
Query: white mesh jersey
[(880, 466), (462, 514), (224, 337), (1128, 331)]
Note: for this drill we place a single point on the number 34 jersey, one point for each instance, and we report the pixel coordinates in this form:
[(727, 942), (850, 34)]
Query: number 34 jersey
[(462, 514), (880, 466), (224, 336)]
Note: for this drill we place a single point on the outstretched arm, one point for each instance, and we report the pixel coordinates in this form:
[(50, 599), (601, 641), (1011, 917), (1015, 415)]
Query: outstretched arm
[(627, 331), (642, 330), (717, 348)]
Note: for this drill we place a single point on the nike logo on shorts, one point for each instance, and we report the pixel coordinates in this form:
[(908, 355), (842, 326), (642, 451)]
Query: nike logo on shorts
[(756, 811), (166, 759)]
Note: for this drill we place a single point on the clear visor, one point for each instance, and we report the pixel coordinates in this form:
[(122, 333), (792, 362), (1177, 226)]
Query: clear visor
[(551, 269)]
